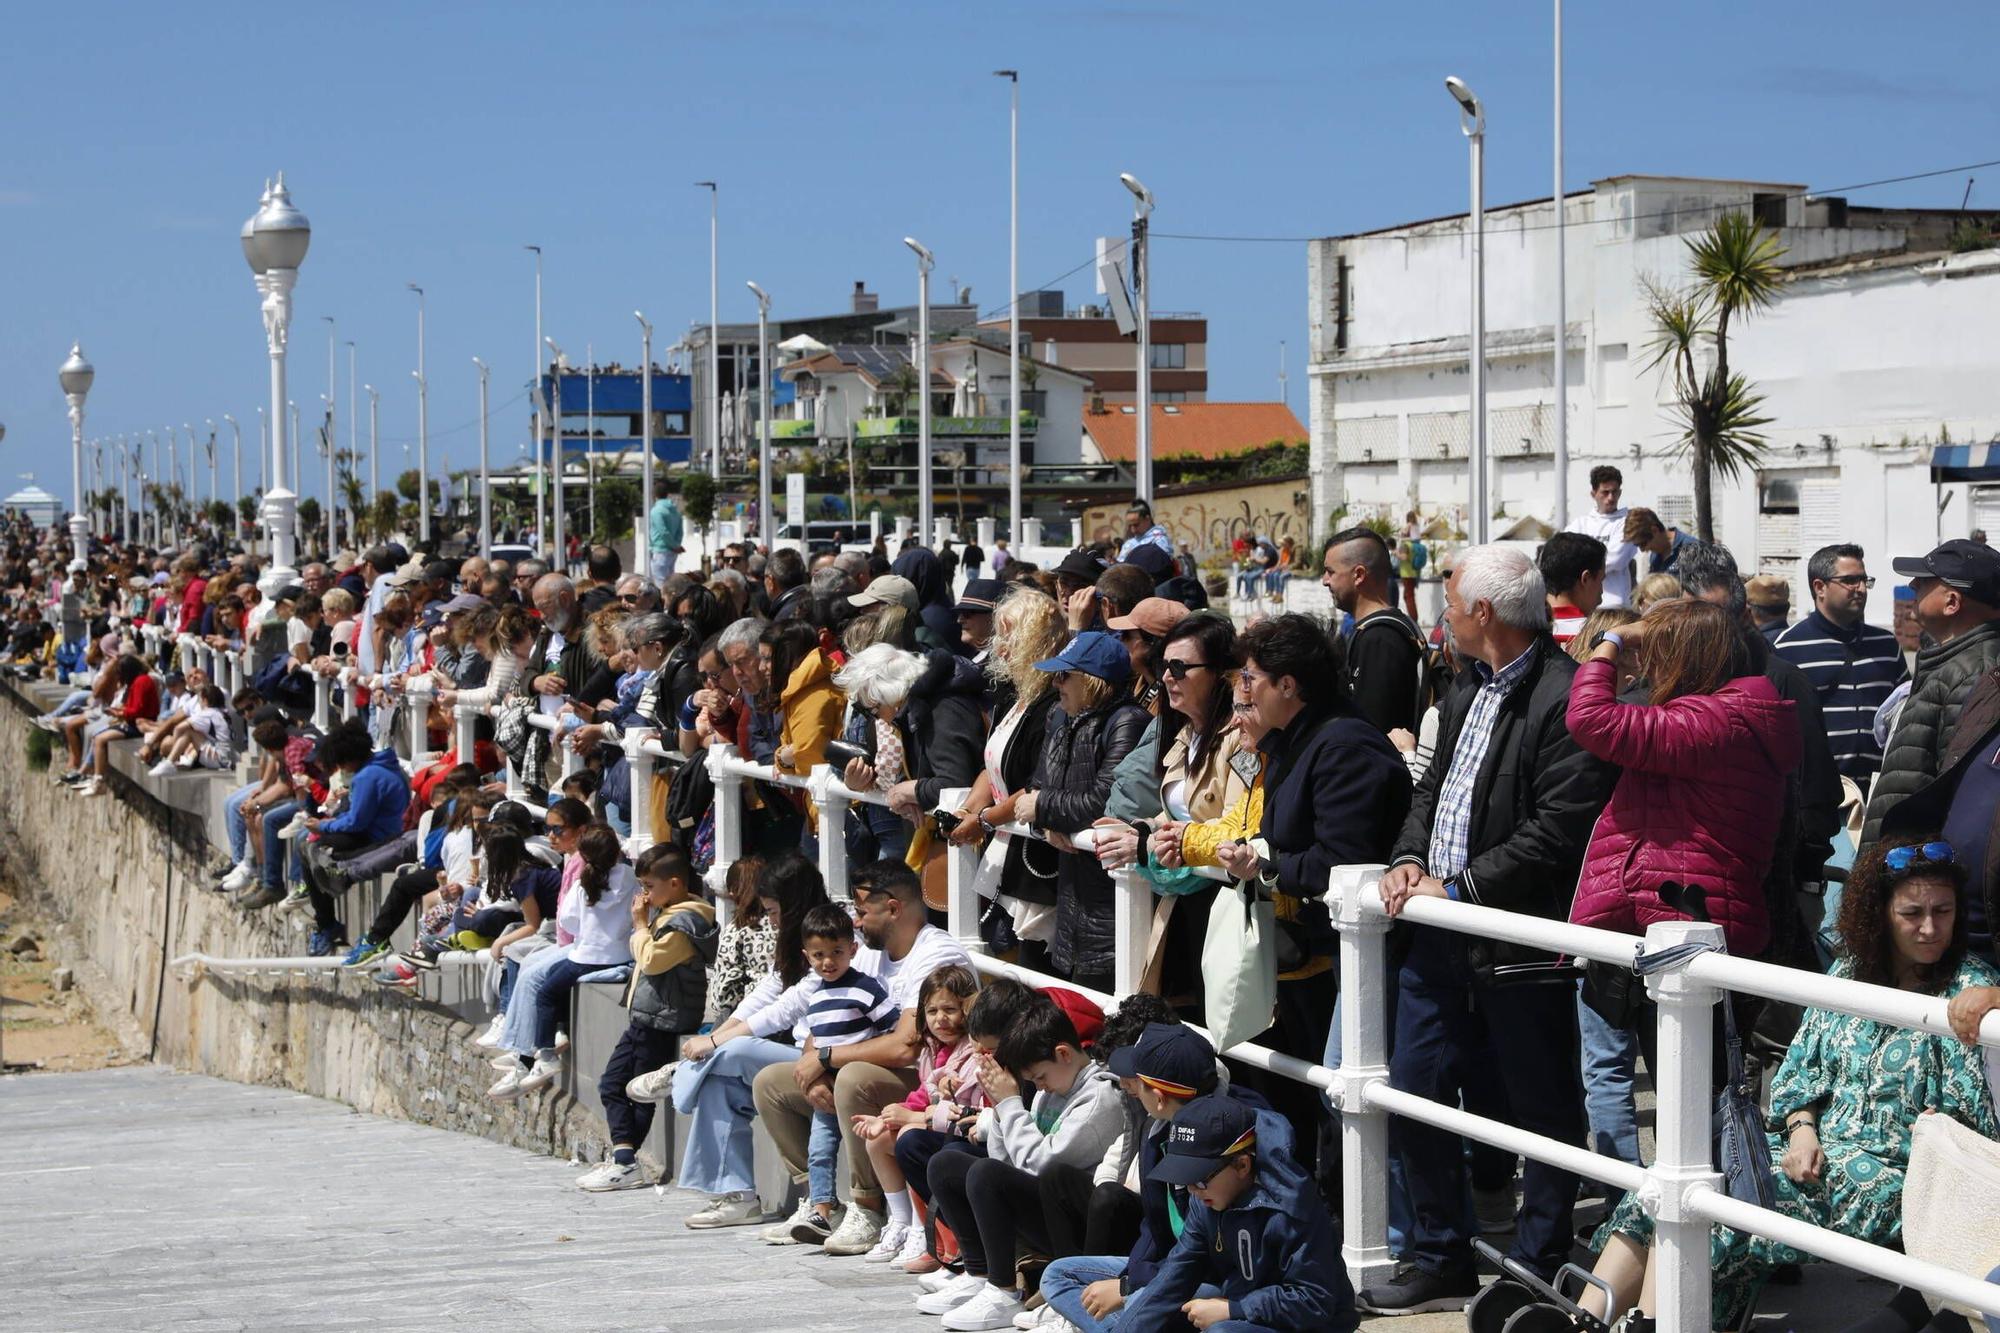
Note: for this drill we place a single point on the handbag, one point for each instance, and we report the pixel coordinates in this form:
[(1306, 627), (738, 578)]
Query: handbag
[(1742, 1149), (1239, 965), (1950, 1168)]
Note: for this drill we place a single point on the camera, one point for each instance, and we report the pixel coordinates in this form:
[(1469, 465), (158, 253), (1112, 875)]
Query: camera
[(840, 754)]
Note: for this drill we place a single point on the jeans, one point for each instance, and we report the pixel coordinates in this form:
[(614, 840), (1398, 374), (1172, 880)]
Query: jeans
[(517, 1034), (559, 978), (275, 849), (232, 820), (715, 1094), (1064, 1280), (823, 1156), (662, 566), (640, 1051), (1610, 1057)]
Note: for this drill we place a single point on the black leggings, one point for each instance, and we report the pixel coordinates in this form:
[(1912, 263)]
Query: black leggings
[(640, 1051), (987, 1204), (1083, 1217), (405, 892)]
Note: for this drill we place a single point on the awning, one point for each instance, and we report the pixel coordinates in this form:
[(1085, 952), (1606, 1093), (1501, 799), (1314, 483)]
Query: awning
[(1966, 462)]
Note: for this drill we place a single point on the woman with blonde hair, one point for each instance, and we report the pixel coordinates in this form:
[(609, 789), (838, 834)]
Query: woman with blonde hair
[(1018, 874), (1654, 589)]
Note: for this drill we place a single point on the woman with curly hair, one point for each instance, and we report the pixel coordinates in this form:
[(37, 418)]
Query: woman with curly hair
[(1847, 1097)]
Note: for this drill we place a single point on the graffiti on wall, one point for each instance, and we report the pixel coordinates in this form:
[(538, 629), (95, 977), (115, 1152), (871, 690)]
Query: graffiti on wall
[(1209, 521)]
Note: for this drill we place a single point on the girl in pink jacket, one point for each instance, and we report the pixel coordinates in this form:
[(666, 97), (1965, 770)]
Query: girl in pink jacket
[(1704, 768)]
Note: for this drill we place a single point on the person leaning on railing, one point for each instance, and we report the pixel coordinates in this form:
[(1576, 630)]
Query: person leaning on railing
[(1846, 1098)]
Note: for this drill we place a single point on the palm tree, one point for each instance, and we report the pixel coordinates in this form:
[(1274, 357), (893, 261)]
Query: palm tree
[(353, 495), (1718, 412)]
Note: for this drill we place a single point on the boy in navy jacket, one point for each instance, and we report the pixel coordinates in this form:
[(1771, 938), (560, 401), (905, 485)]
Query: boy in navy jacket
[(1257, 1251)]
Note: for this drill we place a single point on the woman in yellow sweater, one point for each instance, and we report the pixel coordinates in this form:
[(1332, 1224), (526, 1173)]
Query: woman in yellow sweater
[(809, 707)]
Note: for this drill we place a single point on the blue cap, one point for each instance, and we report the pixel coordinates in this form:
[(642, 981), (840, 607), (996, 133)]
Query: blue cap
[(1094, 653), (1206, 1133), (1172, 1058)]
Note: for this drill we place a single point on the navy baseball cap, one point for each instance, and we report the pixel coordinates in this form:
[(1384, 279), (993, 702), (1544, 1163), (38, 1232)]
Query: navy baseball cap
[(1206, 1133), (1973, 567), (1157, 563), (1094, 653), (980, 595), (1171, 1058)]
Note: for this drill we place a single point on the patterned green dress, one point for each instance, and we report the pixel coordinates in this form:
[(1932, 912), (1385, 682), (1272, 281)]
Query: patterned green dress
[(1872, 1082)]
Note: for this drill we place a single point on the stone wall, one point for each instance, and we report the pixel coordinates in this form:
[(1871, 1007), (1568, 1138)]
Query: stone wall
[(1212, 516)]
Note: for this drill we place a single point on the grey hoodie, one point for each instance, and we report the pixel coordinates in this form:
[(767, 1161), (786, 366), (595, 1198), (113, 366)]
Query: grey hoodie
[(1073, 1128)]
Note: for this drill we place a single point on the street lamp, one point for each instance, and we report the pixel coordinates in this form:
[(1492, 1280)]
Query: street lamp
[(332, 383), (642, 557), (76, 376), (1142, 211), (766, 530), (1013, 78), (1472, 121), (556, 434), (714, 337), (1561, 459), (423, 429), (235, 519), (922, 362), (536, 396), (374, 431), (274, 243), (485, 482)]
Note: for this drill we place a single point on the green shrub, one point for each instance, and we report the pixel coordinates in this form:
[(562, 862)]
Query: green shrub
[(41, 749)]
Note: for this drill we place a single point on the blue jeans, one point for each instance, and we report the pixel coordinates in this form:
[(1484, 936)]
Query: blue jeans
[(822, 1156), (275, 850), (715, 1094), (1610, 1057), (232, 820), (1064, 1280), (518, 1033)]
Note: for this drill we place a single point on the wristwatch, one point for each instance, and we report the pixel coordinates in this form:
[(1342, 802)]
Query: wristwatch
[(826, 1058)]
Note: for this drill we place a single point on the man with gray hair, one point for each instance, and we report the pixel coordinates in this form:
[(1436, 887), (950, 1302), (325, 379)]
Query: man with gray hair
[(831, 583), (854, 564), (1501, 818)]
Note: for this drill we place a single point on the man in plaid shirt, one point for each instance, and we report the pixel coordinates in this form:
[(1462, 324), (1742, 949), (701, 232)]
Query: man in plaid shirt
[(1501, 818)]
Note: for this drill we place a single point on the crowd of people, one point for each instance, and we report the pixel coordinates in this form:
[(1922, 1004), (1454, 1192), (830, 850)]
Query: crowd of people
[(1551, 748)]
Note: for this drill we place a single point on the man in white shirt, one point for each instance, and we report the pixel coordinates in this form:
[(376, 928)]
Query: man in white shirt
[(1606, 522), (864, 1076)]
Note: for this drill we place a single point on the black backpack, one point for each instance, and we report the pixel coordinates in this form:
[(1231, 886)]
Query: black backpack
[(690, 795)]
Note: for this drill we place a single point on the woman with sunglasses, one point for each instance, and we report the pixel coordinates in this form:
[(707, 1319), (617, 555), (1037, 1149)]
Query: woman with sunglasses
[(1846, 1098)]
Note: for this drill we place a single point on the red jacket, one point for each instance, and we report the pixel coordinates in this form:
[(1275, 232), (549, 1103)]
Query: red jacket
[(1698, 800)]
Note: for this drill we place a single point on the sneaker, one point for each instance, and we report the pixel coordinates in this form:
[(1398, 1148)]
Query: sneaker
[(47, 723), (264, 895), (915, 1258), (165, 768), (781, 1234), (323, 942), (423, 958), (938, 1280), (298, 897), (611, 1176), (990, 1307), (489, 1040), (509, 1086), (956, 1291), (1414, 1290), (293, 829), (1045, 1317), (222, 865), (238, 877), (562, 1041), (398, 975), (185, 761), (364, 952), (895, 1235), (504, 1061), (815, 1227), (656, 1086), (857, 1233), (1494, 1210), (731, 1210), (93, 786), (545, 1072)]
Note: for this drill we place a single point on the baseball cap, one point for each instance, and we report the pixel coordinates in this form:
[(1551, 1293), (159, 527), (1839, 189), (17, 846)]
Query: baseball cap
[(1973, 567), (1092, 652), (1769, 592), (1154, 615), (979, 595), (1157, 563), (291, 592), (1080, 564), (1206, 1133), (1187, 591), (465, 601), (1171, 1057), (889, 590)]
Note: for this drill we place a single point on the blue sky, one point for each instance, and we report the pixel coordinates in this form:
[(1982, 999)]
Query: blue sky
[(430, 142)]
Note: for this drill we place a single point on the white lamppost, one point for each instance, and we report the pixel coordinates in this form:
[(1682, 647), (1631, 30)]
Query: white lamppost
[(332, 383), (921, 362), (374, 434), (173, 480), (1013, 78), (556, 434), (536, 396), (643, 556), (485, 480), (75, 376), (1562, 299), (236, 491), (423, 428), (274, 243), (1142, 211), (766, 529), (1472, 120), (714, 342)]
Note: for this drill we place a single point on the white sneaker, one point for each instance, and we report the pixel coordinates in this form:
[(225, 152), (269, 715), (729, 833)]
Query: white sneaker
[(165, 768), (94, 787), (562, 1041), (509, 1086), (186, 761), (545, 1072), (889, 1244), (961, 1288), (781, 1234), (489, 1040), (857, 1233), (990, 1307), (937, 1281), (1045, 1317), (293, 829), (915, 1246), (731, 1210), (656, 1086), (504, 1061), (239, 877), (611, 1176)]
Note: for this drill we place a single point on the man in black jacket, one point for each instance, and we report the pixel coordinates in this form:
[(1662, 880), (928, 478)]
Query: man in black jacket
[(1501, 819), (1386, 679)]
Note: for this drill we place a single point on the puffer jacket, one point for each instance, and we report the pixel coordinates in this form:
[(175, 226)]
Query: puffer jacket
[(944, 725), (1946, 673), (1700, 794), (1071, 783)]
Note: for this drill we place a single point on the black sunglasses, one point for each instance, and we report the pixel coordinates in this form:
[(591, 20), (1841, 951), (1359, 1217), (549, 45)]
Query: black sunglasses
[(1180, 670)]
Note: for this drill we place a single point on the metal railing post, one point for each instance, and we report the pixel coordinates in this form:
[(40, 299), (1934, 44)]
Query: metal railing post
[(1132, 911), (517, 790), (728, 827), (322, 703), (962, 897), (463, 739), (639, 761), (1364, 1062), (1682, 1163), (417, 700), (830, 798), (347, 677)]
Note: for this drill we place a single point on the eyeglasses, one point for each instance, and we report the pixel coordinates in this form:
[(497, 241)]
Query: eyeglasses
[(1853, 580), (1899, 859), (553, 828), (711, 675), (1179, 670), (1062, 678)]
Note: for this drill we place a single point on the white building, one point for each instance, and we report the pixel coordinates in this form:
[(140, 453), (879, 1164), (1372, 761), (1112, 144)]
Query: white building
[(1883, 345)]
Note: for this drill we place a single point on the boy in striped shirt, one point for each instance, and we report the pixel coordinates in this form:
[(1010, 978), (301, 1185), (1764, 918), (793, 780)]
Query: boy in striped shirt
[(843, 1006)]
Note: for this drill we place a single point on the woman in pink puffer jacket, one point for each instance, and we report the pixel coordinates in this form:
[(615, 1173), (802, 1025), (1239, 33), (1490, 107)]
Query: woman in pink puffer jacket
[(1702, 786)]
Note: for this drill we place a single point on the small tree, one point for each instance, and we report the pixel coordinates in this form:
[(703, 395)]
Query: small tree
[(1718, 412), (309, 518), (617, 503), (698, 502), (217, 513), (382, 516)]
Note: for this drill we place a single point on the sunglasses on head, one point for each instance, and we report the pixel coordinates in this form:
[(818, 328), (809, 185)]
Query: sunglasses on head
[(1899, 859)]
